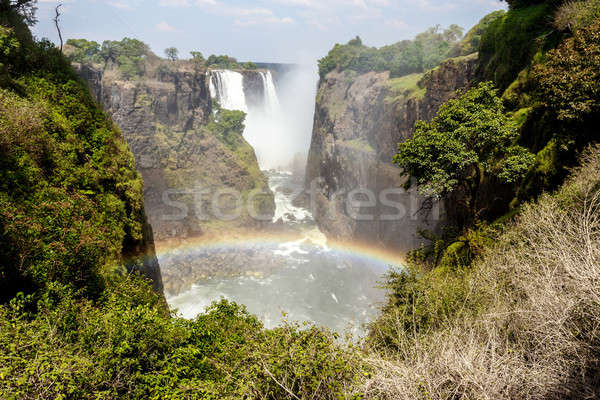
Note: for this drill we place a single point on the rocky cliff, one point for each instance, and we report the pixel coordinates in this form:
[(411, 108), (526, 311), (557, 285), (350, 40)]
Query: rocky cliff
[(359, 119), (164, 116)]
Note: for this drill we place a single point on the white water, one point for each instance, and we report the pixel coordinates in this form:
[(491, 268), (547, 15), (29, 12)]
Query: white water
[(272, 105), (312, 282), (278, 128), (227, 87)]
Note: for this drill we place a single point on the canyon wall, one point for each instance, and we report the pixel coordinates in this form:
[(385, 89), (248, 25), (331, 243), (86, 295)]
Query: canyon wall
[(359, 119), (165, 116)]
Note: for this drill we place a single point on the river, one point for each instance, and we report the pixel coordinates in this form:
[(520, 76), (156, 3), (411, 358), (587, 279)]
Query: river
[(307, 280)]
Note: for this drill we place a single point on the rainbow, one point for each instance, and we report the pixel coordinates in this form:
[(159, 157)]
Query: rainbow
[(238, 240)]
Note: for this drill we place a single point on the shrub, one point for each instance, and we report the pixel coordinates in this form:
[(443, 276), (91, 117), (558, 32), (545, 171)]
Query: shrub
[(575, 15), (510, 43), (525, 323), (566, 81), (70, 199)]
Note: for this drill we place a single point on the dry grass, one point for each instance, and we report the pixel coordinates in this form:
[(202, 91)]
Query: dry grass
[(538, 336), (574, 15)]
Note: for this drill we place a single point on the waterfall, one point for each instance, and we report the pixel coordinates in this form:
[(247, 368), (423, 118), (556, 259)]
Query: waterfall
[(227, 87), (270, 93)]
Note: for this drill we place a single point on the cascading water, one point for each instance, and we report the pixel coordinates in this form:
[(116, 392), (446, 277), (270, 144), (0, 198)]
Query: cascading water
[(271, 99), (227, 87), (265, 124), (305, 278)]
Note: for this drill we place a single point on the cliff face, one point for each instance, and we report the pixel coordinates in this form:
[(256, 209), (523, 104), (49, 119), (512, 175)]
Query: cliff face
[(359, 119), (164, 118)]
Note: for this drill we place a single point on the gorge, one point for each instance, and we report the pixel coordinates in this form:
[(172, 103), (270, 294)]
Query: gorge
[(166, 118), (419, 220)]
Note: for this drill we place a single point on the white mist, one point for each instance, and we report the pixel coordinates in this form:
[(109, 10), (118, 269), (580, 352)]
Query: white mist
[(281, 127)]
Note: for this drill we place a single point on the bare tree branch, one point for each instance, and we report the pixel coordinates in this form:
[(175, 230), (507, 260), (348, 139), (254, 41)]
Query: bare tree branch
[(57, 26)]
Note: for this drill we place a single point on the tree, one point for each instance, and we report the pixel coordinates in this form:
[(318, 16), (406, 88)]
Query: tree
[(81, 50), (56, 22), (470, 139), (172, 53), (567, 83), (197, 56), (357, 41), (26, 8)]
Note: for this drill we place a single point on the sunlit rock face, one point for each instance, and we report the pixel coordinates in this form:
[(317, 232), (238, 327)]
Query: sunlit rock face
[(163, 116), (359, 120)]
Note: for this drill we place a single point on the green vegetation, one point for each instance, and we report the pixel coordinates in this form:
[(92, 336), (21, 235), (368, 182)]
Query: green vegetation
[(426, 51), (575, 15), (468, 141), (197, 57), (73, 323), (128, 54), (228, 125), (84, 51), (472, 40), (517, 322), (70, 199), (125, 346), (564, 101), (406, 86), (172, 53), (511, 41)]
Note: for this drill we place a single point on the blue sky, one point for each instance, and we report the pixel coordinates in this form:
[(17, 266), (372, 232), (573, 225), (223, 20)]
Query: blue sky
[(261, 30)]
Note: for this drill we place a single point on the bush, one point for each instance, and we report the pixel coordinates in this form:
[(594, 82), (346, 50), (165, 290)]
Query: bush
[(70, 199), (575, 15), (126, 347), (520, 323), (510, 43), (472, 40), (566, 81)]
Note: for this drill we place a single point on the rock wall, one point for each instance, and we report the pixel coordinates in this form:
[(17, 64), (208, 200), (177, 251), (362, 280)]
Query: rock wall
[(359, 119), (164, 117)]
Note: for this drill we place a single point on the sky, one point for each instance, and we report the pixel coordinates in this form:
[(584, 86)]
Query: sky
[(296, 31)]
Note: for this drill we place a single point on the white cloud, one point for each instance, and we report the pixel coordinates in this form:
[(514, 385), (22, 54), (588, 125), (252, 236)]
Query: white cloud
[(174, 3), (396, 24), (120, 5), (243, 16), (165, 27)]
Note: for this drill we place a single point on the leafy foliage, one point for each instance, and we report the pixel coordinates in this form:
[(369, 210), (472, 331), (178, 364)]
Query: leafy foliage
[(470, 138), (224, 62), (172, 53), (197, 56), (511, 42), (125, 347), (472, 40), (128, 54), (426, 51), (567, 81), (70, 199), (228, 125), (82, 51), (24, 8), (575, 15)]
